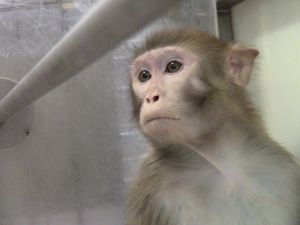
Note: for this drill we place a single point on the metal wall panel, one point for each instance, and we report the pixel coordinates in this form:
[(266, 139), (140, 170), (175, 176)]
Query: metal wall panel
[(75, 166)]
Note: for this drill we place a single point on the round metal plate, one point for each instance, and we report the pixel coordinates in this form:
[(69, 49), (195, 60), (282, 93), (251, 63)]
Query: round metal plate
[(18, 127)]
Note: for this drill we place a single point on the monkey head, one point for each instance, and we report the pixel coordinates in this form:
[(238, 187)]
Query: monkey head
[(186, 82)]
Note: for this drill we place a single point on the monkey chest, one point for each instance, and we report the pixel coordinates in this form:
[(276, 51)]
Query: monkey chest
[(214, 201)]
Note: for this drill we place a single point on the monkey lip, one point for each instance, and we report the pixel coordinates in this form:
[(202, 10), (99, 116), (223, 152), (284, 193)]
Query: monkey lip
[(160, 118)]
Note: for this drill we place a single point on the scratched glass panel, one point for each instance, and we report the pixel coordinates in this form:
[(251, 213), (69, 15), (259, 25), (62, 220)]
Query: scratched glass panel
[(78, 161)]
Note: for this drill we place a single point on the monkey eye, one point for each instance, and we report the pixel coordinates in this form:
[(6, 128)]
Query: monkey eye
[(144, 76), (173, 66)]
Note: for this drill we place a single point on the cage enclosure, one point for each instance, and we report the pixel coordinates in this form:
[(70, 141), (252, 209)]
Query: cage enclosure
[(73, 153)]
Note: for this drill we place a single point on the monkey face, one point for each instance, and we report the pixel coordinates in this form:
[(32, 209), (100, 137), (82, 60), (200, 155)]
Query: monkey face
[(159, 79)]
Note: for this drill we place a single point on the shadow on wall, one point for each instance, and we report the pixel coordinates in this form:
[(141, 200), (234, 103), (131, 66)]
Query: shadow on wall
[(275, 30), (272, 17)]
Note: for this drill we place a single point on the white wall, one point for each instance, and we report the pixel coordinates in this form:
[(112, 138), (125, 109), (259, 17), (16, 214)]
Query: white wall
[(273, 26)]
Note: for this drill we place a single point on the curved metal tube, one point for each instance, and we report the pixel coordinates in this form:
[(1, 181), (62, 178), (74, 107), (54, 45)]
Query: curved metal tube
[(108, 23)]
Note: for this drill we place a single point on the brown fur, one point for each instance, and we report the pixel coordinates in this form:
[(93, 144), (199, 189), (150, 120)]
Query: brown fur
[(223, 99), (230, 98)]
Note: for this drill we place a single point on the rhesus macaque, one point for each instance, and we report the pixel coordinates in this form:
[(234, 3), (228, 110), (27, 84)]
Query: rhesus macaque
[(212, 162)]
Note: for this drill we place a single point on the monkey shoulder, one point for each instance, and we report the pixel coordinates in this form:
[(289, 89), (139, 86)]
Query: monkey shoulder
[(144, 205), (267, 189)]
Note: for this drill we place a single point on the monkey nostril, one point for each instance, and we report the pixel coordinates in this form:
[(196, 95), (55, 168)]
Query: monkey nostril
[(152, 99), (156, 98)]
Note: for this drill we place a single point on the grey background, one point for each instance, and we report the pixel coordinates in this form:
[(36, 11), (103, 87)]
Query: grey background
[(81, 155)]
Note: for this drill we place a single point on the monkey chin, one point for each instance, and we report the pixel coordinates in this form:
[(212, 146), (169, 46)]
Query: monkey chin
[(163, 131)]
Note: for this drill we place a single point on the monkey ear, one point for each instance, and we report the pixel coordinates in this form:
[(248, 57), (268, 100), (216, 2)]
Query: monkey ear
[(241, 60)]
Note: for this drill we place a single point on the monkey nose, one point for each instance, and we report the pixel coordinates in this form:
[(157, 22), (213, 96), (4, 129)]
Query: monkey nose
[(152, 99)]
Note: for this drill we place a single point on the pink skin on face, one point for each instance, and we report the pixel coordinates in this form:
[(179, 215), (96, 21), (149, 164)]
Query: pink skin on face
[(160, 111)]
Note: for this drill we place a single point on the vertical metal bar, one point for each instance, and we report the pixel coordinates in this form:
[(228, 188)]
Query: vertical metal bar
[(108, 23)]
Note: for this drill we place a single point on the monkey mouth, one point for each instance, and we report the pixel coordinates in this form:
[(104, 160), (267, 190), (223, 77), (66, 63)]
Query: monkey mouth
[(160, 118)]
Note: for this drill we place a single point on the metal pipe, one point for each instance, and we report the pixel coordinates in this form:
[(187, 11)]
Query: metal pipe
[(108, 23)]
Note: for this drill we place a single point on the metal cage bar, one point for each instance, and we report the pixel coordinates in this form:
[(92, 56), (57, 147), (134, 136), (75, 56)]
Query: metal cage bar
[(108, 23)]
